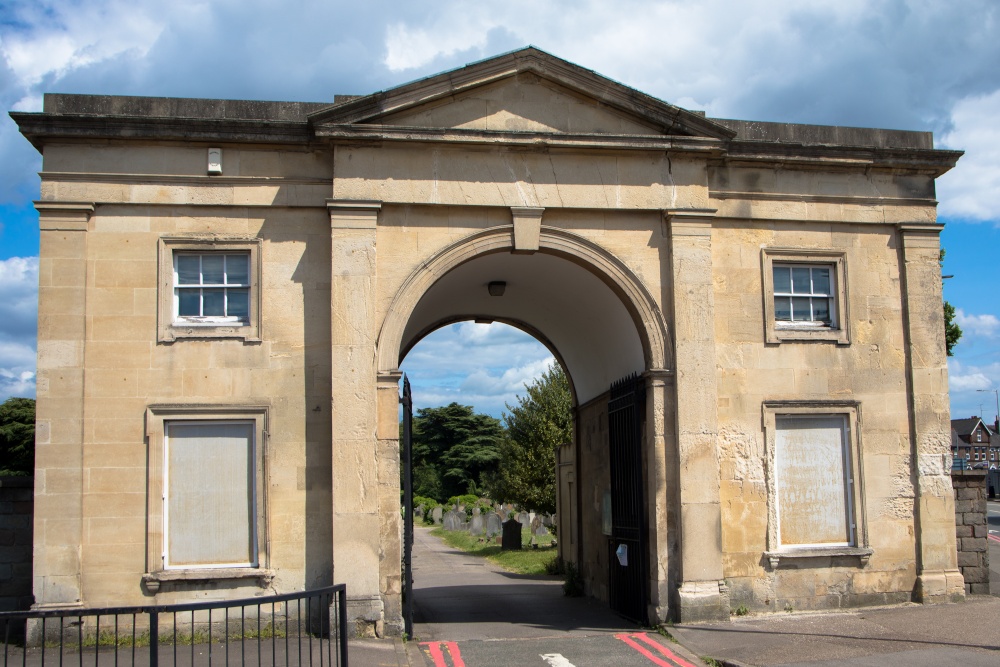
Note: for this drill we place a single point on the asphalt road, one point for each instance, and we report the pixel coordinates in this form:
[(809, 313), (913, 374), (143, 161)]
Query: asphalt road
[(993, 518), (468, 612)]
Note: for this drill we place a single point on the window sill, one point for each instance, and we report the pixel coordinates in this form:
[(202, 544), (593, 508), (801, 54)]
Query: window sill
[(779, 333), (863, 554), (180, 330), (153, 580)]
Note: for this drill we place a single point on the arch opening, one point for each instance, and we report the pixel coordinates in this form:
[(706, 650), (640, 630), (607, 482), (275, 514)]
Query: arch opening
[(568, 271), (588, 309)]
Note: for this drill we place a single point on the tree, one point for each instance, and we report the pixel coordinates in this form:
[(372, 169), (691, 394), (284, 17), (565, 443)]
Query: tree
[(952, 332), (540, 422), (453, 447), (17, 436)]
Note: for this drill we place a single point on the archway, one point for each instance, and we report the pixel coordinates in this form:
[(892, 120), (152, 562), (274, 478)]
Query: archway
[(602, 324)]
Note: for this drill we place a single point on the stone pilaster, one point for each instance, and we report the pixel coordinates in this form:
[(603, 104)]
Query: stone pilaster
[(357, 525), (390, 519), (660, 429), (702, 594), (59, 434), (938, 576)]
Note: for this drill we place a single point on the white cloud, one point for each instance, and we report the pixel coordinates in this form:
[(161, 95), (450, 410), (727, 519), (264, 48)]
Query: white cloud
[(18, 325), (484, 365), (977, 325), (968, 382), (973, 189), (412, 47), (511, 380), (61, 37), (21, 385), (18, 296)]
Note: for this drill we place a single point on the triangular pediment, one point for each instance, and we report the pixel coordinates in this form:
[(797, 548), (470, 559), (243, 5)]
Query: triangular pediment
[(523, 91)]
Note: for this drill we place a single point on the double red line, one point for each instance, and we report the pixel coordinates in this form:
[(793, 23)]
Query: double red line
[(645, 645), (654, 651), (436, 651)]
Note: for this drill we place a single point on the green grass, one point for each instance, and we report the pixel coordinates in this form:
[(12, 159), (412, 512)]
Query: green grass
[(526, 561)]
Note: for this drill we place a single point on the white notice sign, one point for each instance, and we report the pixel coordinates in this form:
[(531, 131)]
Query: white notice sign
[(622, 553)]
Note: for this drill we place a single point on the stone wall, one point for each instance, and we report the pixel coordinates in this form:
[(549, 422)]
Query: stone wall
[(971, 529), (595, 480), (16, 509)]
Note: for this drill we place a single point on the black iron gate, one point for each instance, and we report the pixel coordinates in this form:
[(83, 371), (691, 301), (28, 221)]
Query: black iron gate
[(407, 455), (627, 546)]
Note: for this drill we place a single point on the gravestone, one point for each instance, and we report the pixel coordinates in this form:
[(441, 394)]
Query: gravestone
[(511, 539), (538, 527), (524, 519), (453, 520), (436, 514), (493, 525), (477, 525)]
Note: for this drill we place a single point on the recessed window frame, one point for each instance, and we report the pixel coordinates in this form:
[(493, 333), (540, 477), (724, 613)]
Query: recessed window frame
[(777, 332), (158, 418), (854, 484), (170, 326)]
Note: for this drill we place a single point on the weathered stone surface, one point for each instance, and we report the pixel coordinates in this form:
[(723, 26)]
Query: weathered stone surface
[(381, 217), (493, 525)]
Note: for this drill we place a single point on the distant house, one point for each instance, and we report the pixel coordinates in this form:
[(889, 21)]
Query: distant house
[(975, 442)]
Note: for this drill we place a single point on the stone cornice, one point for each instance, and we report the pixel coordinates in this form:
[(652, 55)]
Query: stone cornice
[(856, 200), (199, 179), (40, 127), (394, 133), (825, 156)]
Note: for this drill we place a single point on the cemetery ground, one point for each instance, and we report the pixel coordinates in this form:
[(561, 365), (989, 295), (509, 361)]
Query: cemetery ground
[(540, 559)]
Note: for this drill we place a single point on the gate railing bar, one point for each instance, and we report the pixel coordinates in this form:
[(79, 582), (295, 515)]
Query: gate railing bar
[(407, 401), (626, 411), (20, 632)]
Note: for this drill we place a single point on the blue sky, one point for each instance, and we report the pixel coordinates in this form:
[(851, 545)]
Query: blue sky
[(906, 64)]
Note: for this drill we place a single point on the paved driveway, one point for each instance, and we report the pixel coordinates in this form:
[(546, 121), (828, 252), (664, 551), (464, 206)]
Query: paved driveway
[(470, 613)]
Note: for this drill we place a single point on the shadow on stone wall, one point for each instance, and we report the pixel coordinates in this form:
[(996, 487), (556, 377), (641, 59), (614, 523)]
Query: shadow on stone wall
[(17, 502)]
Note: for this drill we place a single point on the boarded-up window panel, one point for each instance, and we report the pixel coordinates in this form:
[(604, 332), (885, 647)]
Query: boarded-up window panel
[(811, 478), (210, 492)]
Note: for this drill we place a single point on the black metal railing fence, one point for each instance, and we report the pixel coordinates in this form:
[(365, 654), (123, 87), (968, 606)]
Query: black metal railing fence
[(305, 628)]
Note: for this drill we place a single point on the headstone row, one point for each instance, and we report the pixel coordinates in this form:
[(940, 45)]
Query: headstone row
[(491, 524)]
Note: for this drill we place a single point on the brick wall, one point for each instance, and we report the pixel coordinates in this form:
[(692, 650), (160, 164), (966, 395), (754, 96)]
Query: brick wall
[(971, 529), (17, 500)]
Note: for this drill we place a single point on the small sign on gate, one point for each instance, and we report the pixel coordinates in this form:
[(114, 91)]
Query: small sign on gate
[(622, 553)]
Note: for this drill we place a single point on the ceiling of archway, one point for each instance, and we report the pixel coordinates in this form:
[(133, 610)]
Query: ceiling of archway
[(574, 311)]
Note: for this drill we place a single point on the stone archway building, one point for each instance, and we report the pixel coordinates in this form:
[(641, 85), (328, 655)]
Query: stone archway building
[(223, 276)]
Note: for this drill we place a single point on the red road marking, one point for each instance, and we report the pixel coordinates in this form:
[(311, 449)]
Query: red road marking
[(456, 656), (437, 655), (995, 539), (672, 660)]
